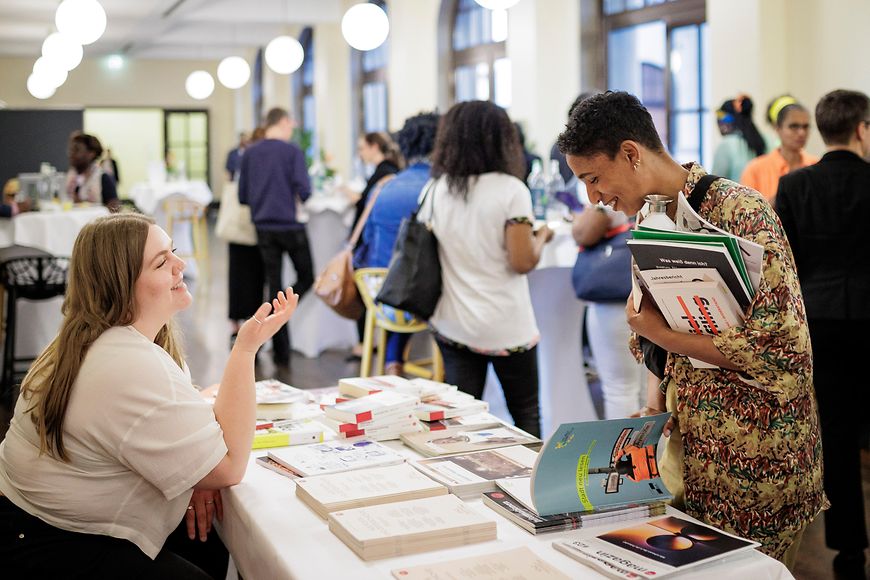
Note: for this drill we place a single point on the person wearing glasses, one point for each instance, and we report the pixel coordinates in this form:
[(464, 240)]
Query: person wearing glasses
[(792, 123), (823, 208)]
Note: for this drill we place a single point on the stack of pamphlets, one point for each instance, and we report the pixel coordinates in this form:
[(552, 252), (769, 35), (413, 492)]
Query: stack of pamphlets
[(334, 457), (468, 475), (433, 444), (450, 405), (409, 527), (655, 549), (701, 278), (289, 432), (364, 487), (599, 465), (516, 564), (514, 502), (380, 416), (468, 423)]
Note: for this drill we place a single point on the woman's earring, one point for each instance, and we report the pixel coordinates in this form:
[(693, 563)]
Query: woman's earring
[(636, 165)]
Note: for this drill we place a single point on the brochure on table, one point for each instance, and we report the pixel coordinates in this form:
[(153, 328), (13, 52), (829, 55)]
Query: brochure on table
[(599, 465)]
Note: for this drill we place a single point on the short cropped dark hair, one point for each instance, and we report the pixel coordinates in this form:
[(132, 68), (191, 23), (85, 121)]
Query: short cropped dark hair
[(839, 113), (600, 124), (90, 142), (416, 138), (274, 116), (476, 137)]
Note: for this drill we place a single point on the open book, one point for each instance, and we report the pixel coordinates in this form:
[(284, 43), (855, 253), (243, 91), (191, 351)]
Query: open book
[(598, 465)]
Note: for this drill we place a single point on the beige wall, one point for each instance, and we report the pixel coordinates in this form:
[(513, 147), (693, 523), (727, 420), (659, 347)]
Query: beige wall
[(803, 47)]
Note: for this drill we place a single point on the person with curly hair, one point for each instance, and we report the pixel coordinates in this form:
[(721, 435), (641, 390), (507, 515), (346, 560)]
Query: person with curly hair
[(745, 452), (396, 201), (481, 213), (86, 181)]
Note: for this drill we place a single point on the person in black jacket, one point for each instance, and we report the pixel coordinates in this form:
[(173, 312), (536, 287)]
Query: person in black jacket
[(823, 209)]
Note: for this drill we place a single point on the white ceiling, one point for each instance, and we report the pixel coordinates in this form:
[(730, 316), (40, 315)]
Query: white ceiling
[(167, 29)]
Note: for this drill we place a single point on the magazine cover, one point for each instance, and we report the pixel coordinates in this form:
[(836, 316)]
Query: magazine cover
[(654, 549), (599, 464)]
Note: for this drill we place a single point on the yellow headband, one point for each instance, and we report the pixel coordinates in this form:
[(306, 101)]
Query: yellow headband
[(778, 105)]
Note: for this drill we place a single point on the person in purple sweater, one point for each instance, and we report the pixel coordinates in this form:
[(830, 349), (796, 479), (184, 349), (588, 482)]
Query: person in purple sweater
[(272, 178)]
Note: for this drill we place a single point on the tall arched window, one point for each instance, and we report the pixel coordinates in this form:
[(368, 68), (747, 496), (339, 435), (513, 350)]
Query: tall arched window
[(257, 88), (478, 65), (369, 70), (657, 50), (303, 94)]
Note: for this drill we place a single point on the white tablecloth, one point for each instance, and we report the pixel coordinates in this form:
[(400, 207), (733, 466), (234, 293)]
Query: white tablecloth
[(54, 232), (271, 535), (314, 326), (564, 394), (147, 196)]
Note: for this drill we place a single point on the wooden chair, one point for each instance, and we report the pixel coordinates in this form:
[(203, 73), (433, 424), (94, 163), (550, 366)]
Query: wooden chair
[(180, 210), (381, 319)]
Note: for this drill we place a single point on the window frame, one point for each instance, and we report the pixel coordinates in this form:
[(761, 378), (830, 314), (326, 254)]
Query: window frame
[(166, 141), (360, 78), (487, 53)]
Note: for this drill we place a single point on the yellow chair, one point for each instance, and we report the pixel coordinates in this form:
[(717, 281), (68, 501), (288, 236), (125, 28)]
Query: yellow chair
[(179, 210), (381, 318)]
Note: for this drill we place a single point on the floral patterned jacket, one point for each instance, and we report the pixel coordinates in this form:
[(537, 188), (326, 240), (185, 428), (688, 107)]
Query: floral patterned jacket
[(753, 451)]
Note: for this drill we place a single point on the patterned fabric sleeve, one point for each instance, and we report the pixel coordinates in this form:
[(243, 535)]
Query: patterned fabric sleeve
[(772, 346)]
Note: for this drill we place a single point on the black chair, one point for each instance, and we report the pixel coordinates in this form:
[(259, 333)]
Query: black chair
[(34, 277)]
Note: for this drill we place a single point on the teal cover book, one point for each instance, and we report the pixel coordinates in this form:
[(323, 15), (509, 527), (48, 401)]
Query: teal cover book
[(599, 464)]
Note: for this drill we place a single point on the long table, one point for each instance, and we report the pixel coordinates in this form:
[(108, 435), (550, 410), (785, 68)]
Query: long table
[(273, 535)]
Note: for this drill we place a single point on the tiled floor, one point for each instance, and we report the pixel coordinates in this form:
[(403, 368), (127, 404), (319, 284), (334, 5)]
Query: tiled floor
[(206, 336)]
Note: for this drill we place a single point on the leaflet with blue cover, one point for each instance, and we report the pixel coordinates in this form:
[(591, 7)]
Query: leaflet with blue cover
[(597, 465)]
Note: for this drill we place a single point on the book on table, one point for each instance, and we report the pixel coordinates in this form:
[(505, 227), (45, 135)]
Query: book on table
[(473, 422), (450, 405), (385, 419), (272, 465), (275, 400), (435, 444), (410, 527), (385, 431), (371, 407), (598, 465), (364, 487), (656, 548), (362, 386), (289, 432), (334, 457), (468, 475), (517, 564), (513, 501)]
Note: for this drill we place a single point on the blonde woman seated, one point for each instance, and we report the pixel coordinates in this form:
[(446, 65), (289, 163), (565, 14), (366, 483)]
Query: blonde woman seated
[(110, 445)]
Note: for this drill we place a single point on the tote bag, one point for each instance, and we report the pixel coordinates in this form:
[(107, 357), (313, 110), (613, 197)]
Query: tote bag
[(234, 219), (413, 282)]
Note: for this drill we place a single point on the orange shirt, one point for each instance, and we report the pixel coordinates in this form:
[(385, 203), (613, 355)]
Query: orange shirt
[(762, 173)]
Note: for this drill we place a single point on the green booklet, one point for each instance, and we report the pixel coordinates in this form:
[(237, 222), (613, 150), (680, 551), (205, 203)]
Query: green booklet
[(597, 465)]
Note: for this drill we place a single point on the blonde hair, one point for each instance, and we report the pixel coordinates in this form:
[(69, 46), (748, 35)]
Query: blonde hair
[(106, 262)]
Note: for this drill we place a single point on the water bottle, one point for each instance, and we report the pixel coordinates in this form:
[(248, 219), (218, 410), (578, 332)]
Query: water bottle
[(658, 216), (538, 187), (556, 210)]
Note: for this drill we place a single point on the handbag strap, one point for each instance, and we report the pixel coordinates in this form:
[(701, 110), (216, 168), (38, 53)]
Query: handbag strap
[(430, 187), (701, 190), (363, 218)]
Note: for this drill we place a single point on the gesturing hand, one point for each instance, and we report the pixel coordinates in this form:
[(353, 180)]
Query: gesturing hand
[(204, 505), (262, 325)]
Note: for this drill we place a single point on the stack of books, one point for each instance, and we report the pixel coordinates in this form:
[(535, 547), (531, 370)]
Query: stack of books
[(288, 432), (435, 443), (513, 501), (450, 405), (381, 416), (473, 422), (365, 487), (700, 277), (468, 475), (334, 457), (655, 549), (409, 527)]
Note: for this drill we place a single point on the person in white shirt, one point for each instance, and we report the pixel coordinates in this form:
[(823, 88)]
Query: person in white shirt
[(482, 217), (110, 445)]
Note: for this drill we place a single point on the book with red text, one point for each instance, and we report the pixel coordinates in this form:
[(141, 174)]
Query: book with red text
[(371, 407)]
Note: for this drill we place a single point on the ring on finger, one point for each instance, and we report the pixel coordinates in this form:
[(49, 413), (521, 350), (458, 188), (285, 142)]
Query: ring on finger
[(257, 319), (190, 507)]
